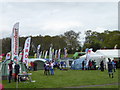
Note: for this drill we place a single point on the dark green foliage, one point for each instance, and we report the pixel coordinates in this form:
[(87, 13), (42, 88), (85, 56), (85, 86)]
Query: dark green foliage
[(69, 40), (107, 39), (57, 42)]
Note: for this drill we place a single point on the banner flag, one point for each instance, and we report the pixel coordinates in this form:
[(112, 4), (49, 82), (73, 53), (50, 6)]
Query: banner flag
[(43, 55), (8, 56), (59, 53), (40, 56), (88, 52), (1, 57), (15, 42), (38, 48), (50, 54), (65, 53), (46, 54), (20, 55), (35, 55), (115, 46), (26, 50), (56, 54)]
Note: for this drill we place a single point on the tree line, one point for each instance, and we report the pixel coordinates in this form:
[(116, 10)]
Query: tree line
[(69, 40)]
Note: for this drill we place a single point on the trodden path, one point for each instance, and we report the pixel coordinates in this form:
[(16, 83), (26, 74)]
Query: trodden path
[(94, 85)]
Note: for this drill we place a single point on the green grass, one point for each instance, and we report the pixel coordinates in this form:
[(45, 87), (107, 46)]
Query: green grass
[(70, 78)]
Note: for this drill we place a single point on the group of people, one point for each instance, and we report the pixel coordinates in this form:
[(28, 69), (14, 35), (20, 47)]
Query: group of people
[(111, 66), (49, 68), (16, 69), (91, 65), (32, 66)]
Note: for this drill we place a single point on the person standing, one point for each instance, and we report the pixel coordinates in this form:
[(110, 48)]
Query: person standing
[(94, 64), (47, 67), (114, 65), (16, 67), (102, 65), (83, 65), (51, 68), (10, 70), (110, 67), (90, 64)]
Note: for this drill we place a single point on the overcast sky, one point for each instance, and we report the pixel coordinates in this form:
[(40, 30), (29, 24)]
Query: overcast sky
[(55, 18)]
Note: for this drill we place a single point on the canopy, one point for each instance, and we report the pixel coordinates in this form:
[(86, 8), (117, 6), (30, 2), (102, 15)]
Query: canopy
[(110, 53), (5, 71), (39, 62)]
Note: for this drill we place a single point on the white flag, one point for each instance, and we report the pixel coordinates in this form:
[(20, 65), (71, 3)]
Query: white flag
[(50, 54), (15, 42), (59, 53), (40, 56), (26, 50), (38, 48), (56, 54), (46, 54), (8, 56)]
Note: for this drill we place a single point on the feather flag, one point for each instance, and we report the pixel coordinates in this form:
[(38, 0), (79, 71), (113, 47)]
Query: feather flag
[(8, 56), (38, 48), (65, 53), (88, 52), (40, 54), (50, 53), (56, 54), (46, 54), (59, 53), (26, 50), (15, 42)]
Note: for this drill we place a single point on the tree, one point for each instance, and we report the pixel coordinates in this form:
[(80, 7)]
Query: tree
[(72, 41)]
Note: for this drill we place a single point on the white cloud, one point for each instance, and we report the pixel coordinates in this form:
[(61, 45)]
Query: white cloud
[(57, 17)]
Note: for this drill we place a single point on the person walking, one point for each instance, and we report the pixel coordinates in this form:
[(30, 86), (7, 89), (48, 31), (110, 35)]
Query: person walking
[(10, 70), (110, 67), (16, 67)]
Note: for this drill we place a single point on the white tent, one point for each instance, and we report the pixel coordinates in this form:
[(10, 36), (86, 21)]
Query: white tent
[(100, 55), (110, 53), (94, 56), (40, 62), (36, 59)]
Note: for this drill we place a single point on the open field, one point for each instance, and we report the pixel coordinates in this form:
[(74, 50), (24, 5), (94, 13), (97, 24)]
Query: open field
[(70, 78)]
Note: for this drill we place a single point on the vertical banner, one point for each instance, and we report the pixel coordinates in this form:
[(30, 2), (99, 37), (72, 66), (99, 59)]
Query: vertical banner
[(8, 56), (88, 52), (35, 55), (43, 55), (40, 54), (53, 53), (65, 53), (56, 54), (15, 42), (59, 53), (46, 54), (26, 50), (1, 57), (21, 56), (38, 48), (50, 54)]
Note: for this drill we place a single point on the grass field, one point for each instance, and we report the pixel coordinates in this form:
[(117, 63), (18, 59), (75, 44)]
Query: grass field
[(70, 78)]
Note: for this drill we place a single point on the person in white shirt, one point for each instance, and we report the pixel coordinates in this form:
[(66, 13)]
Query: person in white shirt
[(51, 68)]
